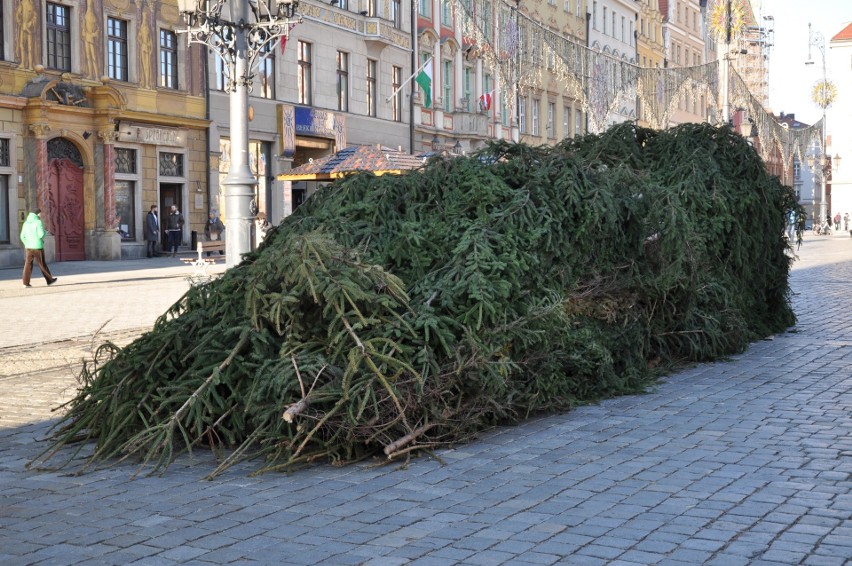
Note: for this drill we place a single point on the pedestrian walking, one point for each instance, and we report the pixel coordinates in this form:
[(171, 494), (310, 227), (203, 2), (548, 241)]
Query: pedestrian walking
[(846, 221), (152, 231), (174, 229), (32, 238), (837, 222)]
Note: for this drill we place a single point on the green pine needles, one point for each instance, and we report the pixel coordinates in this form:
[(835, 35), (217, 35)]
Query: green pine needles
[(395, 314)]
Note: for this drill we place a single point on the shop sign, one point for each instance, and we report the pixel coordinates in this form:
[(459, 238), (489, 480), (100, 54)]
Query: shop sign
[(131, 133)]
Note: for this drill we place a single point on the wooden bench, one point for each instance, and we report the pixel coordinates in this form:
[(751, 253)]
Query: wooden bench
[(215, 246)]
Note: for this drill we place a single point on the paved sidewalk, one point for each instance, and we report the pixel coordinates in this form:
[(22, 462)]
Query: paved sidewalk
[(745, 461)]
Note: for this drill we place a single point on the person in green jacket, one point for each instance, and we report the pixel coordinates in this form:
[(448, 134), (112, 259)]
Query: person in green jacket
[(32, 237)]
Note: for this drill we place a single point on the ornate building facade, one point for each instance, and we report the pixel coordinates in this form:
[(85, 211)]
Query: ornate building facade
[(102, 116)]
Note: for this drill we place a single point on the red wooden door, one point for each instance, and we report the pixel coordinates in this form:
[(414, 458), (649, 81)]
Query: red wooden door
[(66, 222)]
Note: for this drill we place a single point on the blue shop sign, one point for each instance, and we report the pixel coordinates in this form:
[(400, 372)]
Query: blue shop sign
[(312, 121)]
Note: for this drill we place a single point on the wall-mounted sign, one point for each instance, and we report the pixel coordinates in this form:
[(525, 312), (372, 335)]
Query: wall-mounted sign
[(133, 133), (305, 121)]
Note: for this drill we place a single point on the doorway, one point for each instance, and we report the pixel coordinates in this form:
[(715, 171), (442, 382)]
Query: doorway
[(64, 203)]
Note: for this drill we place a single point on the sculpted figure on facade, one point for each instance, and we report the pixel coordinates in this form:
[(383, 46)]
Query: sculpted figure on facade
[(146, 49), (27, 22), (90, 40)]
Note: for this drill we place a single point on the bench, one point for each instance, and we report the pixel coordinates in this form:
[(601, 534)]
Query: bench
[(215, 246), (199, 264)]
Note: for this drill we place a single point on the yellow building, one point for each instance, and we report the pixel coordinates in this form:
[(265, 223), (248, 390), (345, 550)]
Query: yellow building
[(102, 116), (651, 53), (547, 108)]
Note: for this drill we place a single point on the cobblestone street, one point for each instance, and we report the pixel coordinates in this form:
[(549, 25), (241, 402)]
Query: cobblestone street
[(741, 461)]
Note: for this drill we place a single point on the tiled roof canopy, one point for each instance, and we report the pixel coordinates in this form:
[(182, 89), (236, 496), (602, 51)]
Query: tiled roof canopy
[(378, 159)]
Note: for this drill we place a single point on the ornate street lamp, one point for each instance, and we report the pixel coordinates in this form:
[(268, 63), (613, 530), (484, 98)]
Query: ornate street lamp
[(239, 32), (823, 95)]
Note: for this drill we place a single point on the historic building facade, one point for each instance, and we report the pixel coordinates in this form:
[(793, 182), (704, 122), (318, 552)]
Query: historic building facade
[(102, 116), (684, 33), (328, 86)]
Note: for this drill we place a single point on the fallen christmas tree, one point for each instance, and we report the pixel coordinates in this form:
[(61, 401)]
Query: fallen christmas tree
[(394, 314)]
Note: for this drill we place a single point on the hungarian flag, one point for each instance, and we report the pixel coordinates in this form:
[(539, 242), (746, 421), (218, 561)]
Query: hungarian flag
[(424, 79), (485, 102)]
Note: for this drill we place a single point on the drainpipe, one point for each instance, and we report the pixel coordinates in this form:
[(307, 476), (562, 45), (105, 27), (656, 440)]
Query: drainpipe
[(414, 66)]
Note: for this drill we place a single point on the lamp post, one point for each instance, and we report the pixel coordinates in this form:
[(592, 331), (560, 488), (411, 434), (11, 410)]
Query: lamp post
[(823, 165), (238, 31), (823, 100)]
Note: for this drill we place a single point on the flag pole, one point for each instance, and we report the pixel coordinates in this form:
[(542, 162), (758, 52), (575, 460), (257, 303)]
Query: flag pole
[(408, 80)]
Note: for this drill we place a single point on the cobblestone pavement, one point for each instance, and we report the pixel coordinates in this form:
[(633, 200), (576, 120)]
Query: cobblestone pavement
[(743, 461)]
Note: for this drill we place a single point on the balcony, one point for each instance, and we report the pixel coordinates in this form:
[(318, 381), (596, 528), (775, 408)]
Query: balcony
[(379, 33)]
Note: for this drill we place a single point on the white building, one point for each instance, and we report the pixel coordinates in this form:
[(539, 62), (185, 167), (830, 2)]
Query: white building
[(839, 60)]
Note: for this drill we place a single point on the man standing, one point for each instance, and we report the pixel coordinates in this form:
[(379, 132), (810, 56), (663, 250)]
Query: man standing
[(32, 237), (152, 231), (174, 229)]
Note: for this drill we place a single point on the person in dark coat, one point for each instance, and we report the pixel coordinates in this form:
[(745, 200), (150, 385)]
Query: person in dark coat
[(174, 229), (214, 229), (152, 231)]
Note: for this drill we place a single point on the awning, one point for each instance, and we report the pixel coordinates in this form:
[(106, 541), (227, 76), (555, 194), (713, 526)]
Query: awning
[(377, 159)]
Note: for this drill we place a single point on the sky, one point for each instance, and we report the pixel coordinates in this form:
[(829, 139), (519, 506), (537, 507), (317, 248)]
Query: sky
[(790, 80)]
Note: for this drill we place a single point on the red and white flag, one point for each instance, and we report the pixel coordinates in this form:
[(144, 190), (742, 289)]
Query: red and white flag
[(284, 38), (485, 102)]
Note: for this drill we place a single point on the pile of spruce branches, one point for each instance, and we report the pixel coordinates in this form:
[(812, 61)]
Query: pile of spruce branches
[(394, 314)]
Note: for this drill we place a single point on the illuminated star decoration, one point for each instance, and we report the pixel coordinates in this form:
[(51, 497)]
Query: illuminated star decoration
[(719, 18), (824, 93)]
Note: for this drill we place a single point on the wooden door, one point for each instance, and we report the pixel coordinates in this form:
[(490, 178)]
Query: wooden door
[(65, 210)]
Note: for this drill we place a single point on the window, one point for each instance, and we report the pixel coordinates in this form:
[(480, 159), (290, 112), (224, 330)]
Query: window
[(447, 83), (125, 161), (536, 131), (58, 29), (117, 49), (551, 117), (396, 103), (566, 122), (343, 4), (488, 87), (125, 213), (221, 73), (343, 81), (396, 13), (5, 162), (504, 112), (578, 121), (424, 8), (568, 6), (171, 164), (446, 13), (371, 87), (304, 77), (594, 15), (578, 12), (486, 19), (125, 192), (604, 20), (266, 72), (467, 88), (168, 59), (4, 209), (522, 114)]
